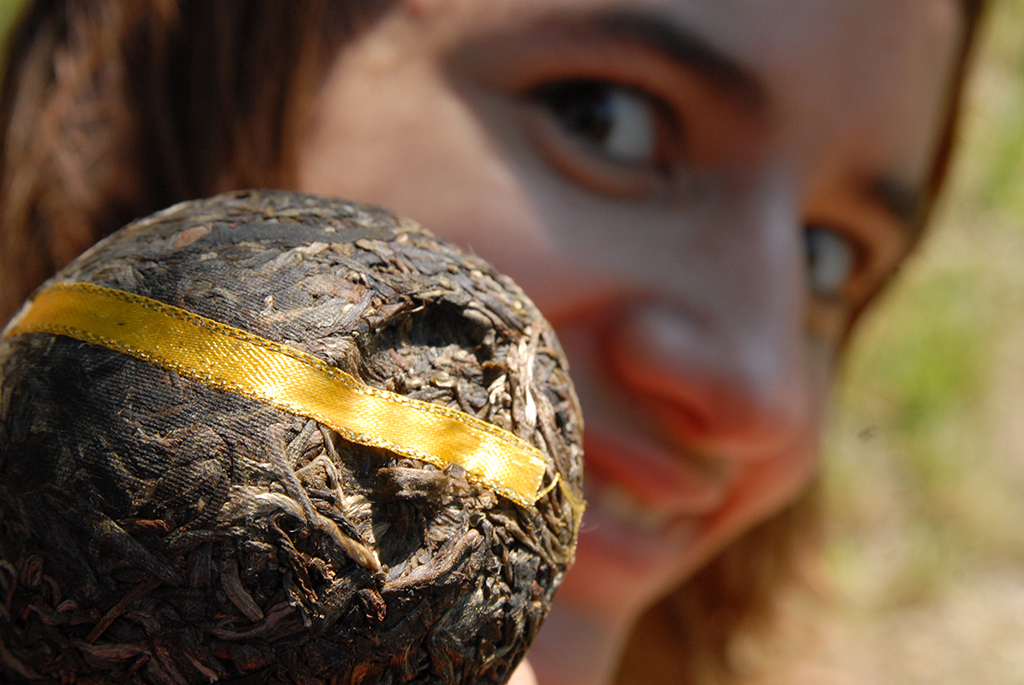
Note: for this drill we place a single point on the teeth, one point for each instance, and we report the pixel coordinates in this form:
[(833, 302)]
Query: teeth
[(619, 505)]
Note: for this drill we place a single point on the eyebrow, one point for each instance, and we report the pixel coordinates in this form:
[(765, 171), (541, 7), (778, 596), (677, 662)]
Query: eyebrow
[(741, 83), (903, 201), (676, 42)]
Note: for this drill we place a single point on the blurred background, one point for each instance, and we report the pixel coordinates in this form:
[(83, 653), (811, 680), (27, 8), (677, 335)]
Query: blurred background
[(923, 580)]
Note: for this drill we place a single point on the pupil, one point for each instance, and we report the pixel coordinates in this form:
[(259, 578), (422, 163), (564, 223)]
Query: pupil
[(811, 248), (829, 260), (584, 108)]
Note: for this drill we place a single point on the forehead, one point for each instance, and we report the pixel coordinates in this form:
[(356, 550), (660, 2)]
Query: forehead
[(756, 28)]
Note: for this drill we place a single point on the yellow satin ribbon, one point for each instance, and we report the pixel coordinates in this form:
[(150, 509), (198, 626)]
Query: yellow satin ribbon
[(237, 361)]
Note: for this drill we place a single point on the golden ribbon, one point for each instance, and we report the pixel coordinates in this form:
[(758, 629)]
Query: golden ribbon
[(237, 361)]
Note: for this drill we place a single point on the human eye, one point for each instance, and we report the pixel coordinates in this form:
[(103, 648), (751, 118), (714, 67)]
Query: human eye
[(831, 261), (615, 121), (612, 138)]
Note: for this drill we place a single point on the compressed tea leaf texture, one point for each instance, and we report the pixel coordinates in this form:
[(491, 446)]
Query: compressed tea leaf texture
[(159, 528)]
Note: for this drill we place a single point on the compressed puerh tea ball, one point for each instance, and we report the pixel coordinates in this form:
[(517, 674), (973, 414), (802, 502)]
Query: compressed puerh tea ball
[(274, 438)]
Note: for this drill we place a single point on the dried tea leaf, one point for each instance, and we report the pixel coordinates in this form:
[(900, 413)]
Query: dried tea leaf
[(156, 529)]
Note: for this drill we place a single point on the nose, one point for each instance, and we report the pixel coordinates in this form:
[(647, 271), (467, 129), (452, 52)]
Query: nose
[(720, 353), (712, 387), (707, 331)]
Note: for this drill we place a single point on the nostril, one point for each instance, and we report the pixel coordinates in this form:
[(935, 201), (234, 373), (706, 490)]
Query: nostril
[(687, 373)]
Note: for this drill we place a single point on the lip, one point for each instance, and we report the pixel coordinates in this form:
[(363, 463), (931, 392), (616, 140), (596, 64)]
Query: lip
[(659, 478), (647, 507)]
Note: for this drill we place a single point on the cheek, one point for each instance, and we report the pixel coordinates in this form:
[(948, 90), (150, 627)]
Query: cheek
[(430, 161)]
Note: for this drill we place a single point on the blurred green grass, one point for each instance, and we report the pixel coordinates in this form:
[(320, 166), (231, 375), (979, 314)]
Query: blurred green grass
[(8, 13), (925, 455)]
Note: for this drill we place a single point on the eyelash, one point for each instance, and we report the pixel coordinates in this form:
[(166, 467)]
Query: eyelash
[(591, 128)]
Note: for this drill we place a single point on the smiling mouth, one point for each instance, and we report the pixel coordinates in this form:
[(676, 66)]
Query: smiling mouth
[(643, 501), (649, 484), (646, 502)]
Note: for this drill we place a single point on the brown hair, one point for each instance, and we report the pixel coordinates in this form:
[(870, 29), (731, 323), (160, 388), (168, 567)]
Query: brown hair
[(111, 110)]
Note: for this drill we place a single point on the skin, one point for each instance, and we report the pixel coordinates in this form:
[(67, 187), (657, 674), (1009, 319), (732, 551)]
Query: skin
[(660, 215)]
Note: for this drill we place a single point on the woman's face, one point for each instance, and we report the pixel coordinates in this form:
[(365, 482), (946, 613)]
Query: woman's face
[(697, 193)]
